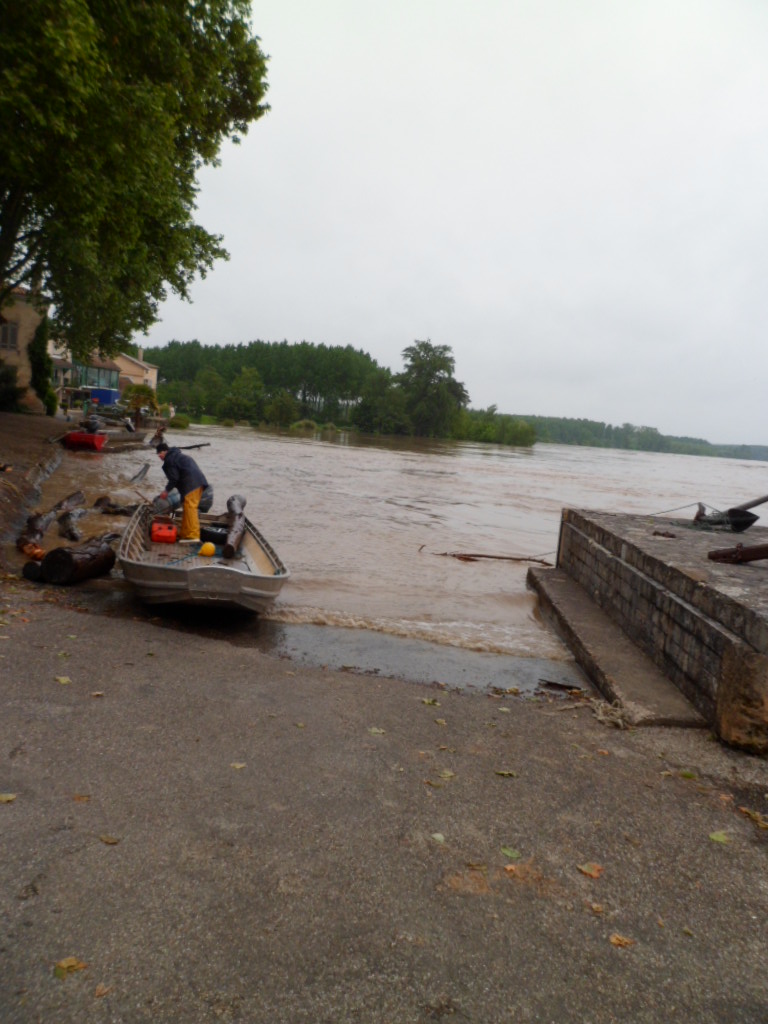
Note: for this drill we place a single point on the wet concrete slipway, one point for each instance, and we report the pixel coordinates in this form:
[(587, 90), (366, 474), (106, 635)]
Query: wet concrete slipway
[(198, 831)]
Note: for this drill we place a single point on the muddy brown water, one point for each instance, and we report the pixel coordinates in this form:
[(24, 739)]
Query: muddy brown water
[(369, 531)]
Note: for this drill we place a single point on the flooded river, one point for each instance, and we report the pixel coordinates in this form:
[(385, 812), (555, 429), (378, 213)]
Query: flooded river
[(368, 530)]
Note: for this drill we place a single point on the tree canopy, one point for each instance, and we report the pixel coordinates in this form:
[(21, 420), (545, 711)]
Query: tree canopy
[(433, 397), (108, 110)]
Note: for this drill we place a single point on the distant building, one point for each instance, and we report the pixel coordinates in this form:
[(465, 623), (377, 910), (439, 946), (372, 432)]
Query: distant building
[(133, 370), (97, 381)]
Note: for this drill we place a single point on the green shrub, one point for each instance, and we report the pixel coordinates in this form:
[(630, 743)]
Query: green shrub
[(51, 402), (10, 392), (180, 421), (41, 366)]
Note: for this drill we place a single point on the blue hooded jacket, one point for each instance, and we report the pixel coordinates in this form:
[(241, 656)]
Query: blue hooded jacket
[(182, 472)]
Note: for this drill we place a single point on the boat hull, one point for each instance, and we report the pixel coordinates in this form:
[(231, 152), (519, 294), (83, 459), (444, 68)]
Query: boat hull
[(117, 438), (82, 439), (163, 573)]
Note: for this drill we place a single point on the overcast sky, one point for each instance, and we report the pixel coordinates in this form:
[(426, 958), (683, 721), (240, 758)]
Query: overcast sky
[(571, 194)]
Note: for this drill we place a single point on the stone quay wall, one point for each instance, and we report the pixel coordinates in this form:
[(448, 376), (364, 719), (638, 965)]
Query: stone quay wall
[(704, 634)]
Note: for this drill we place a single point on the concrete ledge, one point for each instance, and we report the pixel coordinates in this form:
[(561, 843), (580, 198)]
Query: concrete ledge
[(620, 671), (702, 623)]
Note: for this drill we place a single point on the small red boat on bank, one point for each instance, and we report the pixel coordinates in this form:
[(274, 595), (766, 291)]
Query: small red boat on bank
[(82, 439)]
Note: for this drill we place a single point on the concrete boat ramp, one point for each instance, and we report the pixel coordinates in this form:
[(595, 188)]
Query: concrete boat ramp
[(667, 635)]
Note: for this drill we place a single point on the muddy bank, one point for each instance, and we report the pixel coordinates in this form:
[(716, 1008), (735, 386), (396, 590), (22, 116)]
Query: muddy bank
[(28, 446)]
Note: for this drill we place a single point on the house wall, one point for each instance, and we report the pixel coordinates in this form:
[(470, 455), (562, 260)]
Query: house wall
[(21, 311), (137, 371)]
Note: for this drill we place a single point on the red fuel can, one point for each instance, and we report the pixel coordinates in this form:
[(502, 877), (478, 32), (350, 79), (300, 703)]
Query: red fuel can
[(163, 532)]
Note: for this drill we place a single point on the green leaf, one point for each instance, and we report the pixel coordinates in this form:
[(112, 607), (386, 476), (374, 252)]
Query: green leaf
[(720, 837), (510, 853)]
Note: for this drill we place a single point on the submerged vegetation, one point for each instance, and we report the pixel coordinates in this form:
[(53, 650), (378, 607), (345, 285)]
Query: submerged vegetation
[(310, 388)]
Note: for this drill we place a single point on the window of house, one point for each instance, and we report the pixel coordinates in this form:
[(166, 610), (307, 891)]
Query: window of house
[(9, 337)]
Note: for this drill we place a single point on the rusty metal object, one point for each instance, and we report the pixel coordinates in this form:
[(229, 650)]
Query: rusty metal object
[(739, 554)]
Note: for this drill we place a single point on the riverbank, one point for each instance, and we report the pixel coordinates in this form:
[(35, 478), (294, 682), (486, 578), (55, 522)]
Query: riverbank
[(201, 831), (27, 447)]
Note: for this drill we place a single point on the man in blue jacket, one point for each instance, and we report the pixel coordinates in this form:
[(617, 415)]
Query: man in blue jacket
[(183, 473)]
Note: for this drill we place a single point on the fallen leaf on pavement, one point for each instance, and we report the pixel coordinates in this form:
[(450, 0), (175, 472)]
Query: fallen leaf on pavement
[(719, 837), (506, 773), (68, 965), (63, 680), (374, 731), (511, 853), (109, 840), (7, 798), (759, 819), (621, 940), (591, 869), (101, 990), (237, 765)]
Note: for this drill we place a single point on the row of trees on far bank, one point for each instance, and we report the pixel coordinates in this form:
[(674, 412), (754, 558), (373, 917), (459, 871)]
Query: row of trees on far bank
[(280, 383)]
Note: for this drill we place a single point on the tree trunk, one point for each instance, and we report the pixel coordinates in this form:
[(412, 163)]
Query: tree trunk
[(72, 565), (235, 506)]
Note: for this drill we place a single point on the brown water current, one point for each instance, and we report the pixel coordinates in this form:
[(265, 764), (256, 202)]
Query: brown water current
[(368, 530)]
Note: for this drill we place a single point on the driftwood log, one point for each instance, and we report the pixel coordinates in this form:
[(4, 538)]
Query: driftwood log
[(72, 565), (108, 507), (37, 524), (31, 571), (235, 506), (469, 556), (67, 522)]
